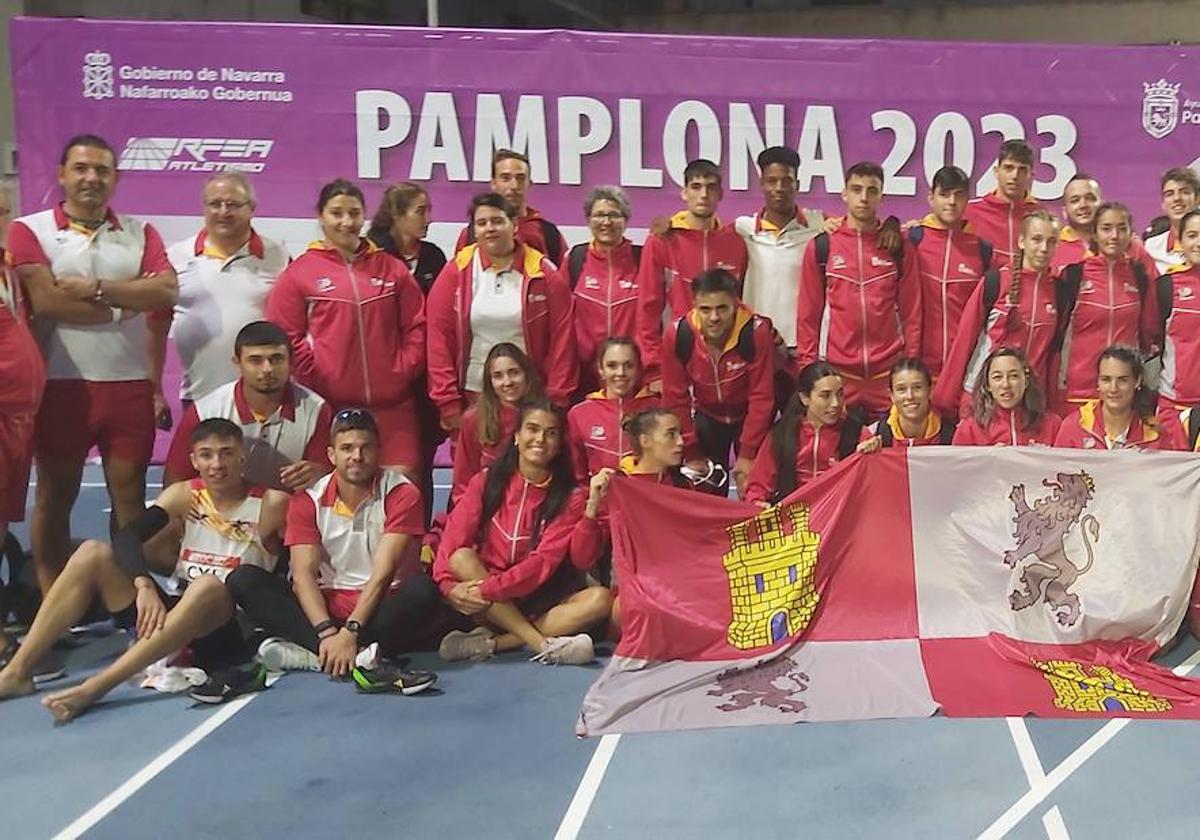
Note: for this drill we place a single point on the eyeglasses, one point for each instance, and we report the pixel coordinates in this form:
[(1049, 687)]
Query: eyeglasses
[(218, 206), (608, 217)]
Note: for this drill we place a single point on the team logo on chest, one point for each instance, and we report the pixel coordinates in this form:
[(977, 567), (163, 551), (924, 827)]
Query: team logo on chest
[(598, 433), (1186, 293), (590, 282), (324, 284)]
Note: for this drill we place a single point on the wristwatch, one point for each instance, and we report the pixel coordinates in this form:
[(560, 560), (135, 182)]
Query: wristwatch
[(353, 626)]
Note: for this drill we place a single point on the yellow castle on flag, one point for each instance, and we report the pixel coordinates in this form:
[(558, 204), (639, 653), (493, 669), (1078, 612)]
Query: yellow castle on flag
[(770, 564), (1096, 688)]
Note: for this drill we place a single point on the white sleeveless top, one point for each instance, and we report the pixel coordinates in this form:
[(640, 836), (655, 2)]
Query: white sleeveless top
[(215, 543)]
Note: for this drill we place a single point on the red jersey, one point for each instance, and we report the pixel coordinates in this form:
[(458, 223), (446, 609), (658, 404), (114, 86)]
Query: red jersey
[(1083, 428), (951, 266), (594, 431), (472, 455), (1007, 428), (816, 451)]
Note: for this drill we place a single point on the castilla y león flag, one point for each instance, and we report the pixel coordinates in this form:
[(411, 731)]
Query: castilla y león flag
[(975, 582)]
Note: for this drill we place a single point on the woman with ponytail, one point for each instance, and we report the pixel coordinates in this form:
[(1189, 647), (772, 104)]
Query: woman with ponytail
[(1123, 416), (501, 558), (1008, 406), (811, 436), (1015, 306)]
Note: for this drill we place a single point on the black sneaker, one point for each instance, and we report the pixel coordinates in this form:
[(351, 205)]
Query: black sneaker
[(386, 677), (229, 683)]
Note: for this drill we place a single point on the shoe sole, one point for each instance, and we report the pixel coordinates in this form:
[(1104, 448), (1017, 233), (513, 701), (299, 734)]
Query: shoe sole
[(388, 688), (210, 700), (49, 676)]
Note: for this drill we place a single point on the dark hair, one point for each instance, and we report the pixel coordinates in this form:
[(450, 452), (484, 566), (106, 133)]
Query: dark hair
[(1187, 217), (508, 154), (1181, 173), (701, 168), (489, 401), (353, 420), (618, 341), (261, 334), (562, 476), (88, 141), (908, 363), (337, 187), (396, 201), (865, 169), (950, 178), (1145, 401), (215, 427), (715, 280), (1107, 206), (785, 433), (1033, 402), (643, 423), (490, 199), (778, 154), (1015, 149)]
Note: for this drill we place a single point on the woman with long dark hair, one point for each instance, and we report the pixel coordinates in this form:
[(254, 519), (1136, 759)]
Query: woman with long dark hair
[(502, 557), (811, 435), (1008, 405), (912, 420), (488, 426), (1123, 415), (1178, 331)]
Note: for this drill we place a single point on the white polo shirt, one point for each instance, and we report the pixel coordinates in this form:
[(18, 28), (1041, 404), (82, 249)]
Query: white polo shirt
[(121, 249), (348, 538), (772, 286), (218, 295), (1165, 251), (496, 306)]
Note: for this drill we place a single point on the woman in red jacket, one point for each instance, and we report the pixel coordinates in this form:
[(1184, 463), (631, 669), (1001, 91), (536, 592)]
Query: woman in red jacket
[(912, 420), (488, 425), (1123, 416), (1178, 331), (1008, 405), (596, 427), (495, 290), (356, 320), (812, 435), (503, 556), (603, 278)]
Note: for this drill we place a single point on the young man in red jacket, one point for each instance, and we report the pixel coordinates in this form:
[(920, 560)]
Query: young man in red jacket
[(718, 370), (951, 260), (695, 242), (1081, 197), (997, 216), (510, 178), (859, 306)]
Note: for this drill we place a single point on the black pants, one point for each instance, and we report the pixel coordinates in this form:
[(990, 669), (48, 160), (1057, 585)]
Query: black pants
[(222, 648), (716, 439), (398, 622)]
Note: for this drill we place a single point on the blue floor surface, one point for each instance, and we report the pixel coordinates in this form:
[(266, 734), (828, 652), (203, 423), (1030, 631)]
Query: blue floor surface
[(493, 754)]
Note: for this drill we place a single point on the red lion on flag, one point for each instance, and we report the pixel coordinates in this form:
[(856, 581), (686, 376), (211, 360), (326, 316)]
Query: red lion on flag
[(1042, 531)]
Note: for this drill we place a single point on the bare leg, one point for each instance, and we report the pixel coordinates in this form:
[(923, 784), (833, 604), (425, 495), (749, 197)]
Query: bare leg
[(126, 489), (205, 606), (91, 570), (50, 527), (467, 566)]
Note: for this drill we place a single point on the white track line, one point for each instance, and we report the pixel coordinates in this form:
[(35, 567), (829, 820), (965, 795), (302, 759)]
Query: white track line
[(581, 803), (1030, 763), (142, 777), (1056, 829), (1038, 793)]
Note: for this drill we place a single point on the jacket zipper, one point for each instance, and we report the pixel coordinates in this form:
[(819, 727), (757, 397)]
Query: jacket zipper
[(512, 542), (862, 299), (608, 307), (1111, 302), (1012, 425), (362, 339), (1033, 313), (816, 450), (945, 298)]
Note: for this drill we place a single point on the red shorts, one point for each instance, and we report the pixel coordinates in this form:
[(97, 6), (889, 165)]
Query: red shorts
[(117, 417), (340, 602), (399, 435), (16, 452)]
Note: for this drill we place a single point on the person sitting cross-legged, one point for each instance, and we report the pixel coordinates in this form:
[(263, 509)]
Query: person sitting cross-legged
[(347, 535), (226, 524)]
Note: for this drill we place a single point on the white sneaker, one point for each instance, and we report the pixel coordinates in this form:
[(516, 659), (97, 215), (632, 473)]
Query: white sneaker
[(477, 645), (281, 655), (566, 650)]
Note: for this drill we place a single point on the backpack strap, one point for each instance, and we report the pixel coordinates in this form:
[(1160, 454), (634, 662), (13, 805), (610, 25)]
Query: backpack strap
[(985, 255), (1066, 293), (821, 246), (685, 340), (1139, 275), (886, 436), (852, 428), (575, 261), (915, 234), (1192, 425), (946, 433), (637, 256), (1166, 297), (991, 289), (746, 346), (552, 238)]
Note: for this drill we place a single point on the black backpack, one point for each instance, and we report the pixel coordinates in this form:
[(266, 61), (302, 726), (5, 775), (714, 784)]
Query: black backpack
[(578, 254), (1066, 293), (917, 233), (685, 340)]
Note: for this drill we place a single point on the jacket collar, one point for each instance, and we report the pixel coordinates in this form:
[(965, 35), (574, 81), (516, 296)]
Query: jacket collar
[(254, 246), (287, 408)]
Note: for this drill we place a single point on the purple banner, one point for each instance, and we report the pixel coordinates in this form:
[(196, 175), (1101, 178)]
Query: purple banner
[(298, 105)]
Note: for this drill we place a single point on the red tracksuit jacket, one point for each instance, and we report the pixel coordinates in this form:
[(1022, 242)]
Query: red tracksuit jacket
[(470, 455), (357, 330), (1029, 325), (22, 368), (816, 451), (545, 321), (865, 313), (514, 570), (951, 267), (669, 264), (594, 431), (1008, 428), (729, 388), (892, 434), (998, 221), (1179, 381), (605, 300), (1109, 307), (1083, 428)]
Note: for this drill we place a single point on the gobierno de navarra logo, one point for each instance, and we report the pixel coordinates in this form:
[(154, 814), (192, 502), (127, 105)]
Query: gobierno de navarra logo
[(103, 80)]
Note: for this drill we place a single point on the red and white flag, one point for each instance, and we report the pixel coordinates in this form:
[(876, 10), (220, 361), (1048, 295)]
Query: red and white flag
[(973, 581)]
